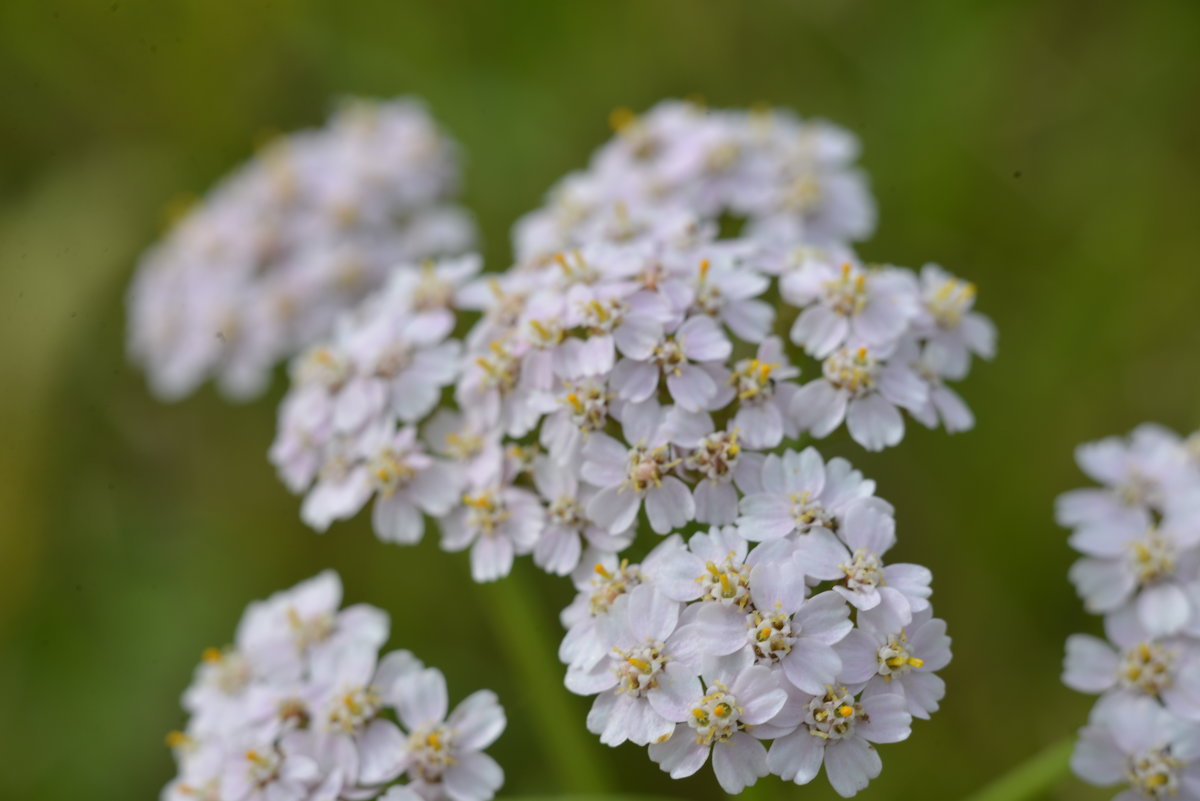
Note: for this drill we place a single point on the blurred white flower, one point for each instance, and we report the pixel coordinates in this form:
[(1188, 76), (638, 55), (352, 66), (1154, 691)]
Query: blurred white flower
[(263, 266), (303, 708)]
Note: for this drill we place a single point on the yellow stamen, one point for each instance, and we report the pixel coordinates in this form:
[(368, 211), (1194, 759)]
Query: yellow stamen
[(915, 662), (621, 118), (177, 739), (211, 655), (845, 710), (640, 664), (602, 570)]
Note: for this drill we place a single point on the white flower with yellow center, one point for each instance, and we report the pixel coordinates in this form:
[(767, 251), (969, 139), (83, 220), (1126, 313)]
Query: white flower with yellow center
[(581, 409), (782, 628), (264, 266), (496, 523), (1148, 567), (953, 331), (643, 687), (799, 493), (711, 567), (847, 303), (1133, 740), (627, 475), (1149, 472), (764, 392), (838, 730), (1138, 663), (721, 720), (854, 559), (596, 611), (884, 654), (685, 359), (351, 688), (443, 755), (408, 483), (722, 462), (864, 387)]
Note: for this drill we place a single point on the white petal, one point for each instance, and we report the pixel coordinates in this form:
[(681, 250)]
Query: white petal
[(668, 507), (739, 762), (478, 720), (818, 407), (874, 422), (797, 757), (422, 699), (1090, 665), (850, 765), (381, 751), (474, 777)]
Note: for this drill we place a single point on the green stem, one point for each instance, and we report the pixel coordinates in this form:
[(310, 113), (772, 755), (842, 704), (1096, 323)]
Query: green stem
[(1031, 778), (522, 623)]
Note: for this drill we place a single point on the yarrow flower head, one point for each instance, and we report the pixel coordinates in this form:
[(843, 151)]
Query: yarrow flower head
[(1139, 534), (803, 638), (303, 708), (263, 266), (637, 373), (615, 379)]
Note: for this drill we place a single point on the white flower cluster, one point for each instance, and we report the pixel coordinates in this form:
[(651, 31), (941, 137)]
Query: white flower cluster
[(645, 374), (278, 249), (614, 378), (300, 708), (786, 627), (787, 179), (1139, 533)]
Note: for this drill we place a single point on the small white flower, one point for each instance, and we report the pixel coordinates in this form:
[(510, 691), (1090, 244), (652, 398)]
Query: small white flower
[(864, 388), (644, 686), (885, 655), (560, 545), (952, 330), (628, 475), (1136, 662), (1134, 740), (848, 304), (801, 493), (679, 358), (1149, 566), (496, 523), (763, 395), (595, 612), (444, 754), (720, 719), (839, 730)]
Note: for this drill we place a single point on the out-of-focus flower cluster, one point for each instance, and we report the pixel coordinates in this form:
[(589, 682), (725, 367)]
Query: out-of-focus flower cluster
[(303, 708), (1139, 533), (262, 267), (786, 627), (786, 179)]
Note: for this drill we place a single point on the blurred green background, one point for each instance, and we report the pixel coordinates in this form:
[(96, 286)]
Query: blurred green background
[(1046, 150)]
